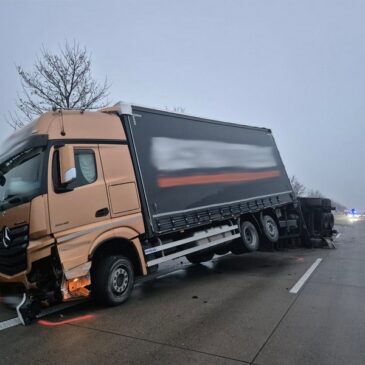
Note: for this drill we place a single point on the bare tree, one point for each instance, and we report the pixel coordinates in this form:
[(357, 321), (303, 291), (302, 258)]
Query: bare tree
[(298, 188), (315, 194), (61, 80)]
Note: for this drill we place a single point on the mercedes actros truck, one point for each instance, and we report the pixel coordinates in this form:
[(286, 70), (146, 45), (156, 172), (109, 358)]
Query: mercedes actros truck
[(90, 201)]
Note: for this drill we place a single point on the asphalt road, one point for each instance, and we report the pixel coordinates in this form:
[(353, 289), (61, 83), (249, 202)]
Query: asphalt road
[(236, 309)]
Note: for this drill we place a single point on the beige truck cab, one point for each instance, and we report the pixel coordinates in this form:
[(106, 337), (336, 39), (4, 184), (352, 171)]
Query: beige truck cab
[(68, 198)]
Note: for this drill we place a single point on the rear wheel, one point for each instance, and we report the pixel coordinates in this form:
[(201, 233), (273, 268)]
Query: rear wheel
[(249, 241), (112, 280), (197, 258), (222, 250), (270, 228)]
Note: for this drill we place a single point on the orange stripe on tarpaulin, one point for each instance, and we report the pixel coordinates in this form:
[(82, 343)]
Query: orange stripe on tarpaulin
[(168, 182)]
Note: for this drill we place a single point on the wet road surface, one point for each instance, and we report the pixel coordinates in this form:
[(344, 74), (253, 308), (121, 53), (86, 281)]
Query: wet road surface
[(236, 309)]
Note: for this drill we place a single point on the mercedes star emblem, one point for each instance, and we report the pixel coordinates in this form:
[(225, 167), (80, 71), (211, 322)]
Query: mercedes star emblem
[(6, 237)]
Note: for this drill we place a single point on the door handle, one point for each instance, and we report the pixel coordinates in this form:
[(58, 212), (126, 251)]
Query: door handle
[(102, 213)]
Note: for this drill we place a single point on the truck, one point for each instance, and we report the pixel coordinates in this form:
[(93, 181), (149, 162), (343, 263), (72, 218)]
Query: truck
[(90, 201)]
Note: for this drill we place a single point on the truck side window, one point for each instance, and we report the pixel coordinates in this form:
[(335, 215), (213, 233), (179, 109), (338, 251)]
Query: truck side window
[(86, 172), (85, 167)]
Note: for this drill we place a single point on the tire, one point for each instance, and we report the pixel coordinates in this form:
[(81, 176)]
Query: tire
[(249, 241), (222, 250), (270, 228), (197, 258), (112, 280), (332, 220), (237, 248), (326, 220)]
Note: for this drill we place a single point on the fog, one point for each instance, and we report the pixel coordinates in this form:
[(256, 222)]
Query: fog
[(295, 67)]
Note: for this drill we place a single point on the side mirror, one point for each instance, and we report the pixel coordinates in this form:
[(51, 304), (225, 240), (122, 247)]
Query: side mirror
[(67, 164)]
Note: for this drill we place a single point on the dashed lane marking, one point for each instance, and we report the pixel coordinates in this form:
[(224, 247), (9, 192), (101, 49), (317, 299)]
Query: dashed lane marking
[(295, 289), (10, 323)]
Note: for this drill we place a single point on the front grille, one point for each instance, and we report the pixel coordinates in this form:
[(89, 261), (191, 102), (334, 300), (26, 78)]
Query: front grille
[(13, 254)]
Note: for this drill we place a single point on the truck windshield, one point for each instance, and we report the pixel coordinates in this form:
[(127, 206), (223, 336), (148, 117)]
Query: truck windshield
[(21, 177)]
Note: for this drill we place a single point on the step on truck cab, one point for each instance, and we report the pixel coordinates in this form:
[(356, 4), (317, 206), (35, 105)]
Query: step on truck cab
[(91, 200)]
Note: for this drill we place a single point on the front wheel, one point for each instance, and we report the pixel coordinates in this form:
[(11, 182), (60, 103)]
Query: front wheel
[(112, 280)]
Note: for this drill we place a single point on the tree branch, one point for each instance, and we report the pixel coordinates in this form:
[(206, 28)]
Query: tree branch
[(63, 80)]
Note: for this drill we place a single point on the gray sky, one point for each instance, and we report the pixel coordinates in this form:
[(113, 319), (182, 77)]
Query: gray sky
[(297, 67)]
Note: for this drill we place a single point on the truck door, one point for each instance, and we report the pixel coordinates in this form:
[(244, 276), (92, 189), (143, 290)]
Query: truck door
[(84, 205)]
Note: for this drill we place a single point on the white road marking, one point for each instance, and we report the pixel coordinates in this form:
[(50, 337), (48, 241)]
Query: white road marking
[(338, 235), (10, 323), (305, 277)]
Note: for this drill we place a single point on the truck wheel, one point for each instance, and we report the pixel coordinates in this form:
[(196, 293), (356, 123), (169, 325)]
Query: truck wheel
[(200, 257), (237, 247), (249, 241), (112, 280), (222, 250), (270, 228), (326, 220), (332, 220)]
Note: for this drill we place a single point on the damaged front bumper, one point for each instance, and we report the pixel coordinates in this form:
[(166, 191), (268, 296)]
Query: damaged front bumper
[(28, 309)]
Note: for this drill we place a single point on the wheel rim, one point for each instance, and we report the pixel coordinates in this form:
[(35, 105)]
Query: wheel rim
[(119, 280), (250, 237), (271, 228)]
